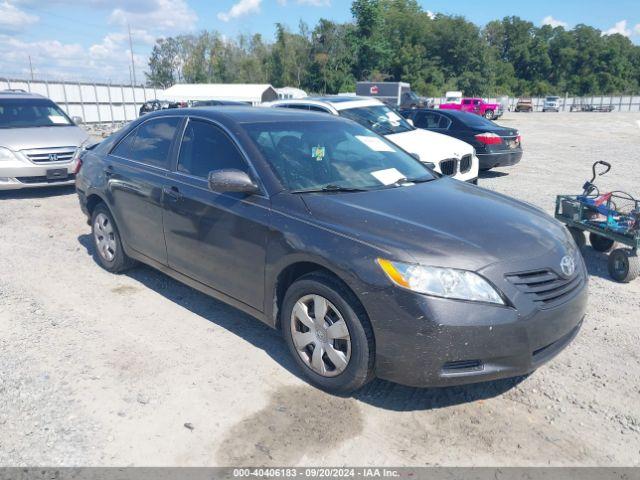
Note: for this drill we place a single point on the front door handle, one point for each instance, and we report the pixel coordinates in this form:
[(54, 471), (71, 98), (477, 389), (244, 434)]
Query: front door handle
[(173, 193)]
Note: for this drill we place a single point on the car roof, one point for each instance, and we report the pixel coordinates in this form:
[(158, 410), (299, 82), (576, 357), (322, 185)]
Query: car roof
[(19, 94), (336, 102), (233, 114)]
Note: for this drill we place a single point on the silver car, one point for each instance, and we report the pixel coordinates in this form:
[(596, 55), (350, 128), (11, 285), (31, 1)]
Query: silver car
[(38, 142)]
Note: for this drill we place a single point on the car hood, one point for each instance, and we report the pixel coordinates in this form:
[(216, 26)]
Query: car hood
[(17, 139), (430, 146), (442, 223)]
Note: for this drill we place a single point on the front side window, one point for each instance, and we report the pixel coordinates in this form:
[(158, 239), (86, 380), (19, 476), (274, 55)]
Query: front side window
[(379, 118), (150, 143), (206, 148), (333, 154), (29, 113)]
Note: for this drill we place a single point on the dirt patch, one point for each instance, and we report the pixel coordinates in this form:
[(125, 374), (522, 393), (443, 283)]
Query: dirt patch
[(296, 422)]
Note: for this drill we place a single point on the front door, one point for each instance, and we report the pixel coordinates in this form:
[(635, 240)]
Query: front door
[(218, 239)]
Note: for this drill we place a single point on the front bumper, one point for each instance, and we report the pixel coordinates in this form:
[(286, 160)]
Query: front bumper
[(499, 159), (426, 341), (17, 174)]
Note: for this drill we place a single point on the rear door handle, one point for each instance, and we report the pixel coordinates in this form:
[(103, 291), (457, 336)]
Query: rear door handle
[(172, 193), (108, 171)]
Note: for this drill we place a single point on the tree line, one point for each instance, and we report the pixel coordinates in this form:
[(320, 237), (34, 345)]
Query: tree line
[(396, 40)]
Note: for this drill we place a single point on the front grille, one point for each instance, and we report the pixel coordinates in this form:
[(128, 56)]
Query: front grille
[(545, 287), (43, 179), (448, 166), (465, 163), (50, 155)]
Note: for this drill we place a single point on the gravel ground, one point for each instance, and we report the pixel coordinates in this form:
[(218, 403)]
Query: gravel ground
[(136, 369)]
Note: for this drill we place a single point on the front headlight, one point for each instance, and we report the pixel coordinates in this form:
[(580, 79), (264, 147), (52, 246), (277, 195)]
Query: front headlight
[(441, 282), (6, 154)]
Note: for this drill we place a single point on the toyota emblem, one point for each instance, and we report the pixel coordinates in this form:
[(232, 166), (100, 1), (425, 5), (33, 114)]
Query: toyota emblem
[(568, 265)]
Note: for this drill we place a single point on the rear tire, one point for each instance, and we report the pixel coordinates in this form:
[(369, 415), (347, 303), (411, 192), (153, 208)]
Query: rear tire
[(624, 265), (107, 242), (600, 243), (489, 114), (578, 237), (304, 336)]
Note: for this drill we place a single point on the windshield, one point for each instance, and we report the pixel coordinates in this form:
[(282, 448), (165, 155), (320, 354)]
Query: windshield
[(333, 155), (27, 112), (379, 118)]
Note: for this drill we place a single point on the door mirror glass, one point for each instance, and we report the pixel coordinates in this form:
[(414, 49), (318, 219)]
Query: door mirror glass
[(77, 120), (232, 180)]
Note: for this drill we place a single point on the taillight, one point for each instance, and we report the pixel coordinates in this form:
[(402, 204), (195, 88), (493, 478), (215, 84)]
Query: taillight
[(489, 138), (519, 139), (78, 166)]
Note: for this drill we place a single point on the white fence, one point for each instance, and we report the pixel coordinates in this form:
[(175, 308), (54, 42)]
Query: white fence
[(94, 102)]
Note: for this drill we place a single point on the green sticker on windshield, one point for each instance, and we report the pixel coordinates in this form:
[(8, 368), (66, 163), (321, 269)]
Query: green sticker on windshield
[(318, 153)]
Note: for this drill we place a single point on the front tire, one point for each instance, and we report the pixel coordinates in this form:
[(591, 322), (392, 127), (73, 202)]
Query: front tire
[(578, 237), (328, 333), (107, 242), (624, 265)]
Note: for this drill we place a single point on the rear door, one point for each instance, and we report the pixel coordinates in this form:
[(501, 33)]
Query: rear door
[(137, 171), (217, 239)]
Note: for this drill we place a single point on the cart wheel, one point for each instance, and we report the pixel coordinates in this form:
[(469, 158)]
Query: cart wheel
[(600, 243), (624, 265), (578, 236)]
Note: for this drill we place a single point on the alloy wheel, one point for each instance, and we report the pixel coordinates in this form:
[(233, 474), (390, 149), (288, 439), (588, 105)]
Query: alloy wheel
[(320, 335), (105, 237)]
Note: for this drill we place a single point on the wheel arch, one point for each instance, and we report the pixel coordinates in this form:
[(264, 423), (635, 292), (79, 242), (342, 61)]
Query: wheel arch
[(292, 272)]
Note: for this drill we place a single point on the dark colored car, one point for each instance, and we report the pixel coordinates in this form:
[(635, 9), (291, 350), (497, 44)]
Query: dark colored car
[(496, 146), (368, 262), (217, 103), (151, 106)]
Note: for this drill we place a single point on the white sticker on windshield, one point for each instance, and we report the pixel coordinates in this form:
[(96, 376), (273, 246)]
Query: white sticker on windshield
[(375, 144), (388, 176), (57, 119), (394, 118)]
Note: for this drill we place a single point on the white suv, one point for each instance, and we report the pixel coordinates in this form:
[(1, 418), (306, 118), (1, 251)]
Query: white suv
[(444, 154)]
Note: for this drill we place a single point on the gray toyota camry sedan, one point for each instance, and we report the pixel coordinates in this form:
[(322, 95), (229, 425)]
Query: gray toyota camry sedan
[(370, 264)]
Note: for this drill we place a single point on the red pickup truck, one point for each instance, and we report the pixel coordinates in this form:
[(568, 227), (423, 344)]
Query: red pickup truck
[(490, 111)]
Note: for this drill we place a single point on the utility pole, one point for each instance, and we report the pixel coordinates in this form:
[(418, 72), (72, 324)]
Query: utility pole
[(133, 66), (31, 67)]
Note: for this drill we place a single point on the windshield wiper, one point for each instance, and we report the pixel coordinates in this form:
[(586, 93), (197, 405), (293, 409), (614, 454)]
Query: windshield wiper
[(405, 180), (330, 188)]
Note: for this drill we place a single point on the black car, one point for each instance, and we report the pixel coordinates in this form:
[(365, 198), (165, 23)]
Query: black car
[(496, 146), (150, 106), (368, 262)]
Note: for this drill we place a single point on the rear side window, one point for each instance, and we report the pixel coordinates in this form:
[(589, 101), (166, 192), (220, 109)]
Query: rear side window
[(150, 143), (430, 120), (206, 148)]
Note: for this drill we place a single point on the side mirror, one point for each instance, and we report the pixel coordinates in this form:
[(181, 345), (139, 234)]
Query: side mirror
[(77, 120), (410, 122), (232, 180)]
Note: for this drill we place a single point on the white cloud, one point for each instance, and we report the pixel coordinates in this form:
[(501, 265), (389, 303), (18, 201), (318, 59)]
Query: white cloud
[(163, 16), (12, 19), (430, 14), (310, 3), (243, 7), (554, 22), (620, 27), (636, 29)]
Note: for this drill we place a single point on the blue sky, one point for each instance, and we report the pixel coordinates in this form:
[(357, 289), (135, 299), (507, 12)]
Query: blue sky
[(88, 39)]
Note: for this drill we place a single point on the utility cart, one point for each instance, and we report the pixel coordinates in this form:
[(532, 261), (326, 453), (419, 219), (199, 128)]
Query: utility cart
[(610, 218)]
